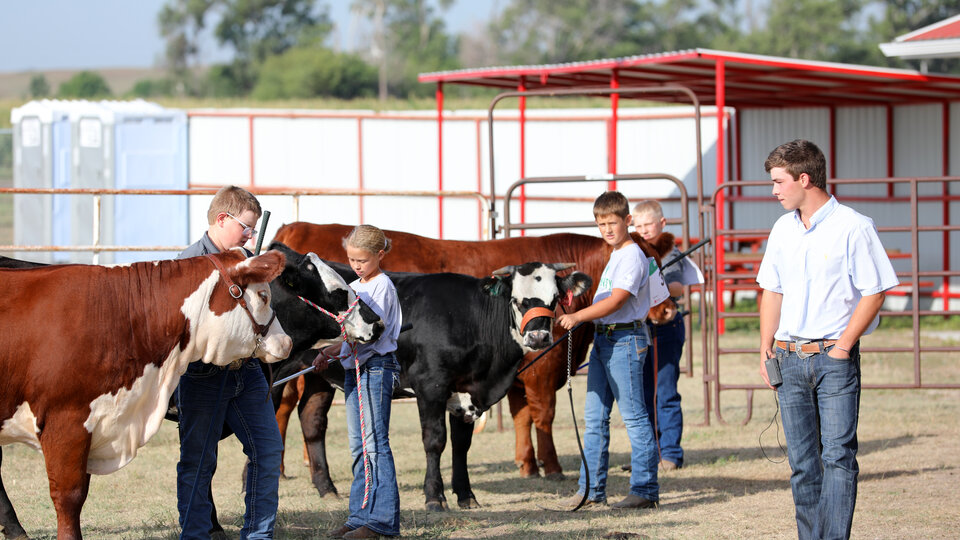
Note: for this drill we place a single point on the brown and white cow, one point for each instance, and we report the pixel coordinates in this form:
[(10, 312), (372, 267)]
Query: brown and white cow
[(90, 355), (533, 397)]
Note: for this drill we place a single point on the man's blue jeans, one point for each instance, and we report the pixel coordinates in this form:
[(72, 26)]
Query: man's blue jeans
[(820, 404), (667, 342), (245, 408), (378, 375), (616, 374)]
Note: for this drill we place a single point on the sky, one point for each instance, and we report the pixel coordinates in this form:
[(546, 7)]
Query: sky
[(96, 34)]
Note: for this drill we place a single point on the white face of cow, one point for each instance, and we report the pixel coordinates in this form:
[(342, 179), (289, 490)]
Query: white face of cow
[(460, 404), (535, 290), (224, 338), (356, 327), (276, 345)]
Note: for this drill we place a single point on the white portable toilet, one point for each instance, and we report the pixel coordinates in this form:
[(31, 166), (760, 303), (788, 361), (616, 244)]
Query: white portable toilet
[(105, 144)]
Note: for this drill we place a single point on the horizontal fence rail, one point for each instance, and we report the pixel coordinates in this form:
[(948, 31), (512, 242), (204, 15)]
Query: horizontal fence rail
[(295, 195)]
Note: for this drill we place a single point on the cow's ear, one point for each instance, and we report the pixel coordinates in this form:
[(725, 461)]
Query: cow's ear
[(575, 284), (496, 285), (261, 269)]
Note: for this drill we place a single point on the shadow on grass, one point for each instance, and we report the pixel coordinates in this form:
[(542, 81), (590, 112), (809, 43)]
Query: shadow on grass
[(480, 523)]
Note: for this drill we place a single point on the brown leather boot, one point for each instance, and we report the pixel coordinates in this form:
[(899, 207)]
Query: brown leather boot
[(362, 532)]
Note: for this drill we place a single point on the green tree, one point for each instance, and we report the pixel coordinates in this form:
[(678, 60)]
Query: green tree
[(84, 85), (545, 31), (254, 29), (39, 87), (148, 88), (409, 37), (306, 72)]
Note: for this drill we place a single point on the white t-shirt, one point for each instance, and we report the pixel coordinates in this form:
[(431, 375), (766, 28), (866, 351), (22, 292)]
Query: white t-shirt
[(380, 294), (628, 270), (822, 272)]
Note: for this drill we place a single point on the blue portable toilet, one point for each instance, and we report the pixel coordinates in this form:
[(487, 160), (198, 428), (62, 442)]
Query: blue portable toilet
[(105, 144)]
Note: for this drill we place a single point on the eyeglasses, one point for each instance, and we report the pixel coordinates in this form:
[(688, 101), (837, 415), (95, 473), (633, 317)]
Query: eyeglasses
[(247, 230)]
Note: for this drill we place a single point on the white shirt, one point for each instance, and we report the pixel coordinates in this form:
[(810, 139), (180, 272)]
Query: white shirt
[(380, 294), (627, 269), (822, 272)]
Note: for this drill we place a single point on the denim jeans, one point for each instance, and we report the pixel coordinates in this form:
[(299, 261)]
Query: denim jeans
[(245, 408), (616, 374), (667, 342), (820, 404), (378, 376)]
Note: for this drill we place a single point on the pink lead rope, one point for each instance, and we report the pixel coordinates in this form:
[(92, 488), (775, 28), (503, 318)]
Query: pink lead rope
[(356, 365)]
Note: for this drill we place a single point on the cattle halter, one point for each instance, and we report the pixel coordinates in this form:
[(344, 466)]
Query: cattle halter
[(236, 292)]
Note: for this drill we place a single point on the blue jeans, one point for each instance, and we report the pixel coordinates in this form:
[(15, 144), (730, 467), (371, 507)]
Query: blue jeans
[(820, 404), (616, 374), (245, 408), (378, 376), (667, 341)]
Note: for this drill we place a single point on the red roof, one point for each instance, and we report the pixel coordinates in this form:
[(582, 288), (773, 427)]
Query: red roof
[(945, 29), (750, 80)]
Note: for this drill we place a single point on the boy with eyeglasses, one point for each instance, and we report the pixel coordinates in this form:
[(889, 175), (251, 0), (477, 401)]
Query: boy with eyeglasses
[(242, 403)]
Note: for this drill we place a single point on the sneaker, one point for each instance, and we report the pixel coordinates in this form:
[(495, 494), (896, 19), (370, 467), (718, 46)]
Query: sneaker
[(635, 501)]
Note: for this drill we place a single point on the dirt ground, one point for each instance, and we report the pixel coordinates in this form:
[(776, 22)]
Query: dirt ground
[(735, 483)]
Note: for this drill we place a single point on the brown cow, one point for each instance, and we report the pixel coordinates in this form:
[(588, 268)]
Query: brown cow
[(90, 355), (533, 397)]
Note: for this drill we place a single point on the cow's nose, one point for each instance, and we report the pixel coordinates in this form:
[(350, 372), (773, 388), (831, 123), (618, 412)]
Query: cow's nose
[(537, 339)]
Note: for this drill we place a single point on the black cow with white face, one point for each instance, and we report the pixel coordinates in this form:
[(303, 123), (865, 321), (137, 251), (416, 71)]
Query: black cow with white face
[(467, 339)]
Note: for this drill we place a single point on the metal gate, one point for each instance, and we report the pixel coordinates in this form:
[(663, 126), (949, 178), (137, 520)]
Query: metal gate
[(738, 270)]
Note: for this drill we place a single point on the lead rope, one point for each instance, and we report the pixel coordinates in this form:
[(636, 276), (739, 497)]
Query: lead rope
[(356, 365), (576, 431)]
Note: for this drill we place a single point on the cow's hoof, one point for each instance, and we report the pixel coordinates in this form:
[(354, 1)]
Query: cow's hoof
[(528, 470), (330, 496), (468, 503), (436, 506), (218, 535), (555, 477)]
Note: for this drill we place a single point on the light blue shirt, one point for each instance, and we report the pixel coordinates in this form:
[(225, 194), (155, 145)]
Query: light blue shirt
[(380, 294), (627, 269), (822, 272)]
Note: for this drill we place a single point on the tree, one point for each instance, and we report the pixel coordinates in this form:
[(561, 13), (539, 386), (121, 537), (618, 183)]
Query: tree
[(84, 85), (409, 38), (254, 29), (545, 31), (306, 72), (39, 87)]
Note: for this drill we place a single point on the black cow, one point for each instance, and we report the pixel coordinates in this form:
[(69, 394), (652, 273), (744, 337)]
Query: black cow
[(303, 275), (461, 355)]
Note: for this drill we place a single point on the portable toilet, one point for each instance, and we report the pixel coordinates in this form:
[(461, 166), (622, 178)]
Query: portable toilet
[(41, 159), (102, 145)]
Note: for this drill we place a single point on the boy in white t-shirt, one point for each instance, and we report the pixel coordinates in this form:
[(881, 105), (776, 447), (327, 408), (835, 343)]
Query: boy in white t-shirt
[(619, 311)]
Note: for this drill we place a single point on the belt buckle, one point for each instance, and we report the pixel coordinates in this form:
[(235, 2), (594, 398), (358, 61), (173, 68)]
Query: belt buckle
[(798, 345), (236, 364)]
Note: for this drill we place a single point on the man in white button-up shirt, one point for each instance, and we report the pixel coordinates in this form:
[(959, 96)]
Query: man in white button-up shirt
[(824, 274)]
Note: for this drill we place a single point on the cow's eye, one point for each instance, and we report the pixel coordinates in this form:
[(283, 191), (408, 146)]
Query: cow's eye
[(538, 278), (264, 297)]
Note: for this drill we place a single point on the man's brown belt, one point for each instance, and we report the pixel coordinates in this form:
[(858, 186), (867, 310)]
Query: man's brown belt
[(810, 347)]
